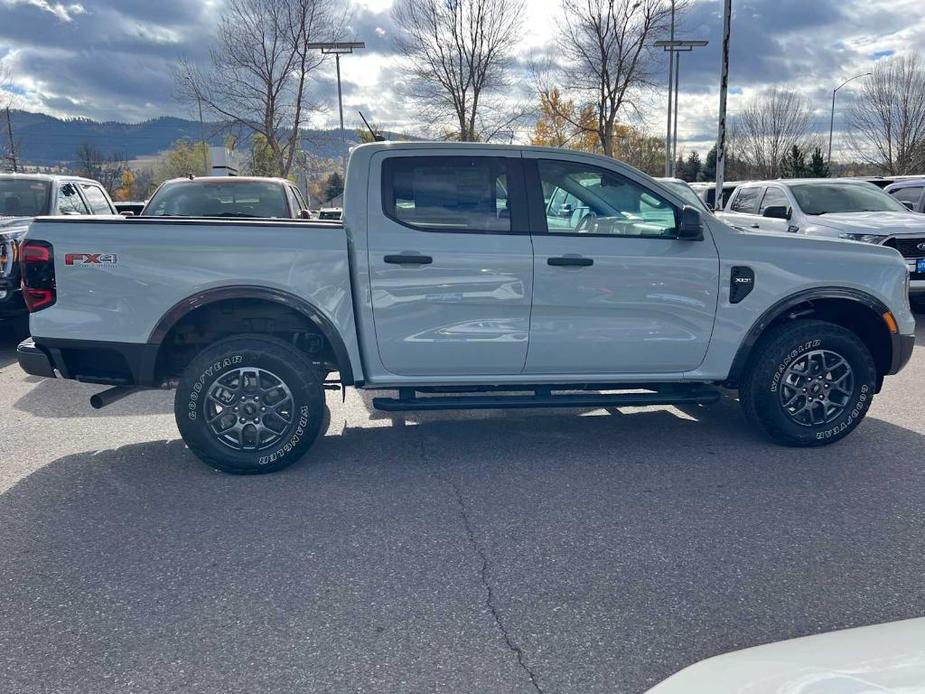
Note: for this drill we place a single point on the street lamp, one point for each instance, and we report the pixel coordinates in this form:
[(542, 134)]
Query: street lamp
[(832, 119), (674, 47), (338, 48)]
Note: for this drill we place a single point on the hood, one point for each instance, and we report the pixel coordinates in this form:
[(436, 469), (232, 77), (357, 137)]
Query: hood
[(883, 223), (881, 658), (14, 225)]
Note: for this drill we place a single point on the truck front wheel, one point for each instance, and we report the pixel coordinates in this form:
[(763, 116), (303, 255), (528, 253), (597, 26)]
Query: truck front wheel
[(810, 383), (250, 404)]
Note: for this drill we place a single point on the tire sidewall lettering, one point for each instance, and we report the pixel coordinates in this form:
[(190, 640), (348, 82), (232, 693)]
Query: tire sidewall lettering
[(788, 359), (211, 373), (860, 407)]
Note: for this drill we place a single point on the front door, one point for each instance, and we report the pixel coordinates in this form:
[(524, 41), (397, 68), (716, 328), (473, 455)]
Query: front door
[(616, 292), (451, 264)]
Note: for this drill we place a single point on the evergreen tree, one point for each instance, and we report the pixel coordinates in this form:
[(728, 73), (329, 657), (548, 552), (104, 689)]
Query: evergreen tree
[(708, 172), (794, 163), (334, 187), (818, 167)]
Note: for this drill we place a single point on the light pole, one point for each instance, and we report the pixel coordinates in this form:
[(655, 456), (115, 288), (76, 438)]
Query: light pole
[(338, 48), (723, 93), (674, 47), (832, 118)]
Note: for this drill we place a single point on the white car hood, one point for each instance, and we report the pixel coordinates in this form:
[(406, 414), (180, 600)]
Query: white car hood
[(882, 223), (881, 658)]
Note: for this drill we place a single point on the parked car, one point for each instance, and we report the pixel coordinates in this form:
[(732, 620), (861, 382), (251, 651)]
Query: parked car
[(909, 193), (684, 189), (129, 207), (707, 192), (457, 298), (238, 197), (24, 197), (843, 209), (879, 658)]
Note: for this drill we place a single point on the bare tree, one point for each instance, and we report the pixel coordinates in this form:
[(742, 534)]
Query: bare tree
[(769, 127), (608, 57), (8, 142), (888, 117), (260, 70), (91, 162), (458, 53)]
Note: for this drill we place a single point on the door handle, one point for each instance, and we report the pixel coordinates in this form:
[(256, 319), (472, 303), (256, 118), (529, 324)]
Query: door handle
[(756, 226), (570, 261), (409, 259)]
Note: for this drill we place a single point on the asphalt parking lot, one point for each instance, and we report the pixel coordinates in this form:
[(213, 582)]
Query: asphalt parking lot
[(492, 552)]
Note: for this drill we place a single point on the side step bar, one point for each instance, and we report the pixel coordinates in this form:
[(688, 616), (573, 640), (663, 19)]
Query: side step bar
[(543, 397)]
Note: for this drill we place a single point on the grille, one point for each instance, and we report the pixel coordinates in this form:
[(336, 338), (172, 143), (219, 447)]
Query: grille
[(907, 247)]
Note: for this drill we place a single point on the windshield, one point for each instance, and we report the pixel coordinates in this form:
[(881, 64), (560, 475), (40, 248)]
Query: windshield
[(685, 192), (828, 198), (204, 198), (24, 198)]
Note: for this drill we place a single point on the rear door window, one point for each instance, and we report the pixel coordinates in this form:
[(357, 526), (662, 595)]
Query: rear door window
[(69, 201), (746, 200), (449, 193)]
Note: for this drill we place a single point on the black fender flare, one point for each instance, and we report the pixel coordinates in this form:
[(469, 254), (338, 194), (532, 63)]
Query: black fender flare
[(211, 296), (785, 306)]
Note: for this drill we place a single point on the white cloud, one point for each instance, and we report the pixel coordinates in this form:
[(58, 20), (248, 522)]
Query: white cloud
[(66, 12)]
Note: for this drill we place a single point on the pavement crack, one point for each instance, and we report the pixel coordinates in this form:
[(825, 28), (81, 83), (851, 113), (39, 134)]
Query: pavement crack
[(484, 574)]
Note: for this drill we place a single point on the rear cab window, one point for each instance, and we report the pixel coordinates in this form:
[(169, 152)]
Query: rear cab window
[(24, 197), (462, 194), (211, 198)]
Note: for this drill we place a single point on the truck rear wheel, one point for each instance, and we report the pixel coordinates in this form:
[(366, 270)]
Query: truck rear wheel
[(810, 383), (250, 404)]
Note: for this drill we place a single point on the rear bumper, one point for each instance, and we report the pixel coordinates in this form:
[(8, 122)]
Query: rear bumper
[(902, 352), (34, 360)]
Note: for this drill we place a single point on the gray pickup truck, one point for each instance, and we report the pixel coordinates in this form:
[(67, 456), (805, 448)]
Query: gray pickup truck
[(465, 276), (26, 196)]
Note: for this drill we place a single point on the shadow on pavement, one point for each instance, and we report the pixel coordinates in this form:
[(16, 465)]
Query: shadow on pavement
[(619, 549), (59, 399)]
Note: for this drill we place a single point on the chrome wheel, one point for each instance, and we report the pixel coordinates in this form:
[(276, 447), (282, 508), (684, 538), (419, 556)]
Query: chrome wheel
[(249, 409), (817, 387)]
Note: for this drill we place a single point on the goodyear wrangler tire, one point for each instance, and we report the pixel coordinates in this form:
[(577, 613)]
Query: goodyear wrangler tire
[(810, 383), (250, 405)]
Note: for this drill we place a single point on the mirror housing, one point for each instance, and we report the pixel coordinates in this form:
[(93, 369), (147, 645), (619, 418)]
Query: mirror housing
[(777, 212), (305, 214), (690, 226)]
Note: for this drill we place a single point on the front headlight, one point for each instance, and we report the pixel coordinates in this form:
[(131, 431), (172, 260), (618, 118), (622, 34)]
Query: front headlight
[(863, 238)]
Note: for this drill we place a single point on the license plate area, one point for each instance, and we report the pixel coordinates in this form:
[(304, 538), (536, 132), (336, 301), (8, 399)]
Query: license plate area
[(920, 265)]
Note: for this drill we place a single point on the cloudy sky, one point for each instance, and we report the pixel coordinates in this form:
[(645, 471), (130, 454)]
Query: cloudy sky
[(113, 59)]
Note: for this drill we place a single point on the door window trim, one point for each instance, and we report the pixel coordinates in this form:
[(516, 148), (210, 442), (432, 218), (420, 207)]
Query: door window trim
[(537, 205), (516, 195)]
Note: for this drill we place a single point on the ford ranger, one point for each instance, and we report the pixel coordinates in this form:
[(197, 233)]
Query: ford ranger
[(465, 276)]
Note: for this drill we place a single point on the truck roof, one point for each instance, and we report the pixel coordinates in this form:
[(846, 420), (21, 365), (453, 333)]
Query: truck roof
[(51, 178), (228, 179)]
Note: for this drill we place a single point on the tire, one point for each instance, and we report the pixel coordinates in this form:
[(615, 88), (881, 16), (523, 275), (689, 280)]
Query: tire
[(805, 354), (249, 405)]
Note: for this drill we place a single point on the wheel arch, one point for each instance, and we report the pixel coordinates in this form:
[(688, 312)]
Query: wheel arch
[(322, 324), (856, 310)]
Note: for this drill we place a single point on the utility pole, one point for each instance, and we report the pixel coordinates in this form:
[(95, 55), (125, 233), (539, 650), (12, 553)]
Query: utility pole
[(9, 132), (202, 140), (832, 118), (723, 93), (339, 48)]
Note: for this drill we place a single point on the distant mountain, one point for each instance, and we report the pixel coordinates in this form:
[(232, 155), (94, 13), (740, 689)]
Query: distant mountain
[(46, 141)]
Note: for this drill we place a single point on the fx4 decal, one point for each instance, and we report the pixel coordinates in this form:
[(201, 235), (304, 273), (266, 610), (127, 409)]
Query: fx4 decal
[(90, 259)]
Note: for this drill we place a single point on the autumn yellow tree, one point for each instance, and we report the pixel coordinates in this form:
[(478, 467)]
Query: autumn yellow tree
[(561, 124)]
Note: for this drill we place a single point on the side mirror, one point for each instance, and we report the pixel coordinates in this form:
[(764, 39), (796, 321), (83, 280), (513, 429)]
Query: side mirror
[(776, 212), (690, 227), (305, 214), (566, 209), (909, 205)]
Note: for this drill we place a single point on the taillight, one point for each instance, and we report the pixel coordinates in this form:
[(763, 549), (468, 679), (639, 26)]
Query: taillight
[(37, 265)]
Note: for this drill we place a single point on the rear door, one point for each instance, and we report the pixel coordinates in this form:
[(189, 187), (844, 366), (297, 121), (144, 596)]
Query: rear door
[(616, 292), (451, 263), (743, 209)]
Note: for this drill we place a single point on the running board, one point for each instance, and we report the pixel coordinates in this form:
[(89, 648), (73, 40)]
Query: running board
[(676, 395)]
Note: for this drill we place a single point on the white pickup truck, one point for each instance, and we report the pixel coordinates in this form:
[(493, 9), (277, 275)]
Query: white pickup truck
[(465, 276)]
